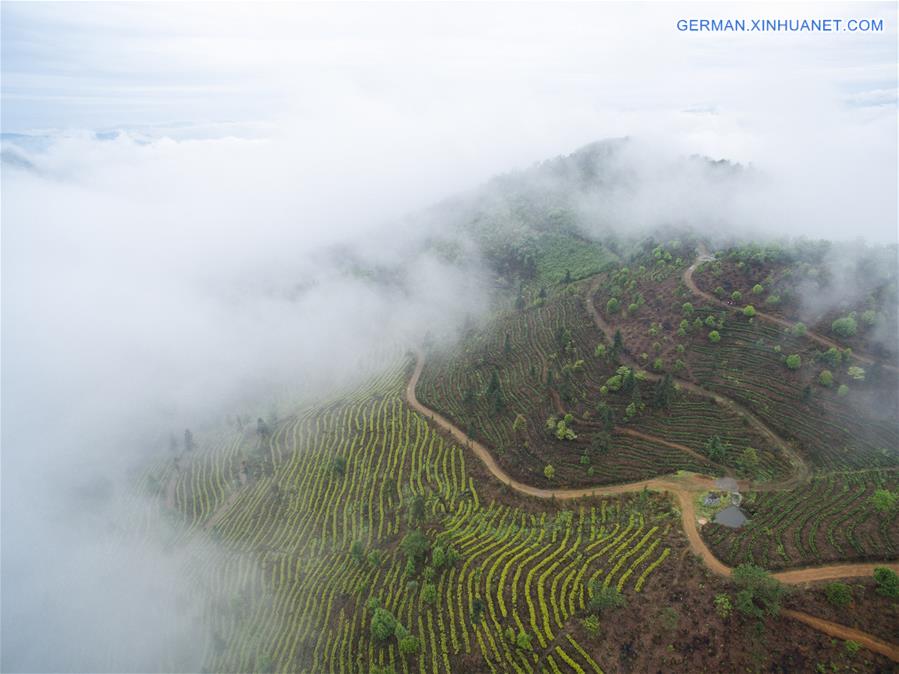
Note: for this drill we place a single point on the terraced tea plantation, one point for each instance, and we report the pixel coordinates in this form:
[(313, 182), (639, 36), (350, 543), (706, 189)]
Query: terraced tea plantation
[(833, 518), (839, 415), (506, 380), (358, 535), (352, 536), (497, 378), (832, 432)]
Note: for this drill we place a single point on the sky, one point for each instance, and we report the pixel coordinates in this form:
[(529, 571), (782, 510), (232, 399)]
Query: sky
[(174, 176), (446, 95)]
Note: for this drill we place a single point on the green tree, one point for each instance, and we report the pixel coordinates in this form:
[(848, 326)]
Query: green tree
[(357, 552), (663, 394), (723, 606), (477, 610), (715, 448), (600, 442), (799, 330), (383, 624), (887, 582), (409, 645), (438, 557), (628, 380), (714, 337), (417, 509), (415, 546), (338, 465), (749, 460), (838, 594), (549, 471), (832, 357), (885, 501), (749, 311), (844, 327), (429, 593), (687, 309), (523, 641), (794, 361), (606, 415), (758, 289), (825, 378), (613, 305), (614, 382), (736, 296), (603, 597), (495, 394), (759, 593)]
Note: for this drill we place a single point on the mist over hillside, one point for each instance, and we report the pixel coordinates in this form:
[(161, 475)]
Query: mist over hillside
[(209, 317), (230, 229)]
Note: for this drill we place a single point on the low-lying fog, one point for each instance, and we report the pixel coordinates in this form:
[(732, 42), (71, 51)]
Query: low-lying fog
[(191, 195)]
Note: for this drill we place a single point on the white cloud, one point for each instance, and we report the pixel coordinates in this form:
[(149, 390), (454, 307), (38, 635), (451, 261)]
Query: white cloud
[(146, 278)]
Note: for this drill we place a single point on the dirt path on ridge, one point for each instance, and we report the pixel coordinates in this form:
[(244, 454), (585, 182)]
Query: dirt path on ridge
[(633, 432), (683, 487), (800, 472), (680, 487), (869, 641), (705, 256)]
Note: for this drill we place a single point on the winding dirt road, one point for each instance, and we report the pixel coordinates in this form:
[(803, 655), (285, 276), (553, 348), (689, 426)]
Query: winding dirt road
[(870, 642), (634, 433), (684, 487), (681, 487), (800, 471), (705, 256)]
